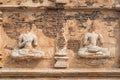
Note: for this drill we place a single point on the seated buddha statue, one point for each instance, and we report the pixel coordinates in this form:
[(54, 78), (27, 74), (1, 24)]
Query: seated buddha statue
[(26, 43), (90, 45)]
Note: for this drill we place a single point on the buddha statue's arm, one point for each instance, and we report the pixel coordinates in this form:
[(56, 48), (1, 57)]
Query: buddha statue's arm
[(85, 39), (21, 43), (35, 41), (100, 38)]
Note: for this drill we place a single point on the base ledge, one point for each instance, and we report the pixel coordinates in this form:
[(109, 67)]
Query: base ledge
[(60, 73)]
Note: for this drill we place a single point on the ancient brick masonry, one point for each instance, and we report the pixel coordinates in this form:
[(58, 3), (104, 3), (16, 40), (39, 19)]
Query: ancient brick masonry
[(80, 35), (56, 21)]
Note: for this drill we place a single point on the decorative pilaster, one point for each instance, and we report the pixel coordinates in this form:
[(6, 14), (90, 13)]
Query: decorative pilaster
[(1, 20), (60, 54)]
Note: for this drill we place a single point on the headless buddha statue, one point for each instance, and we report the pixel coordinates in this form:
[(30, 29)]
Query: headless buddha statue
[(26, 43), (90, 45)]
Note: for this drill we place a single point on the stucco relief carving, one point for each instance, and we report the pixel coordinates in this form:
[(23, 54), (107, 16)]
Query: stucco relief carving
[(50, 23), (61, 58), (91, 47), (61, 52), (26, 44)]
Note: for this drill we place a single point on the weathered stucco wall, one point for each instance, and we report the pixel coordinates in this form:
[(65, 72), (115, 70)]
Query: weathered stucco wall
[(57, 26), (75, 25)]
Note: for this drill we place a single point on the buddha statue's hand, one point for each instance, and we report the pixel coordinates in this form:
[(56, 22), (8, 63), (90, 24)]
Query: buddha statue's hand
[(22, 44)]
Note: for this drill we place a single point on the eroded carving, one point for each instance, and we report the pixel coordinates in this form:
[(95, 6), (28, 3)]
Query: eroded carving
[(26, 44), (51, 22), (61, 58), (61, 52), (91, 47)]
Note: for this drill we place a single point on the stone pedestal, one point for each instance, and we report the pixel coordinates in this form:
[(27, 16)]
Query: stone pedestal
[(61, 62)]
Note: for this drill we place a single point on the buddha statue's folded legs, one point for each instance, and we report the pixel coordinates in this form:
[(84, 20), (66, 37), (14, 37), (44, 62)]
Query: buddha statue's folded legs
[(22, 53), (84, 52)]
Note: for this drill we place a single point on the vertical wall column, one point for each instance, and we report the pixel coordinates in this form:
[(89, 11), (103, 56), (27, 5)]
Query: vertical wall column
[(61, 54), (1, 20)]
